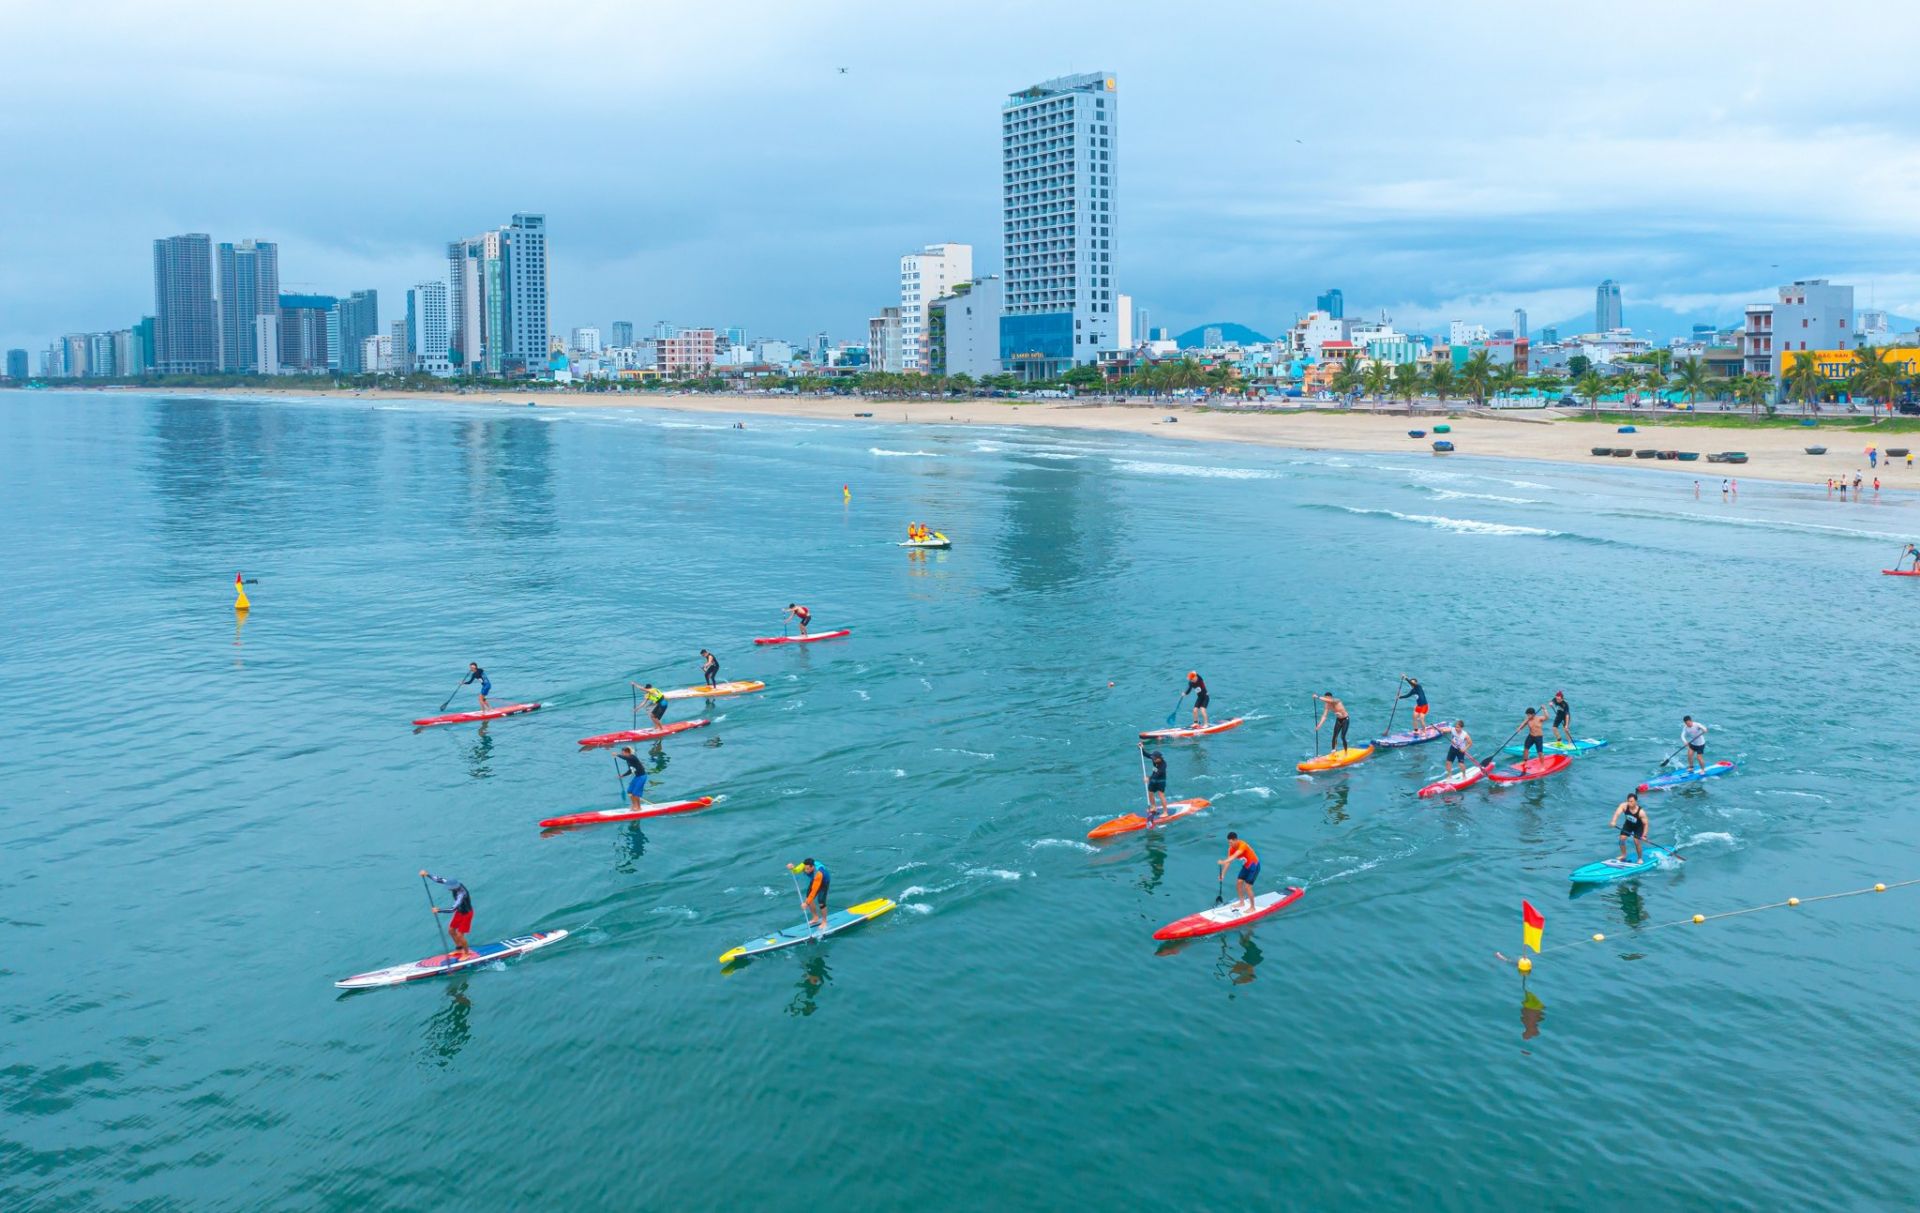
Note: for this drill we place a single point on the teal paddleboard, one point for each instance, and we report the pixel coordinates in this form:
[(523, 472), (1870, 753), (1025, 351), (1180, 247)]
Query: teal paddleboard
[(1614, 869), (853, 916), (1578, 746), (1676, 778)]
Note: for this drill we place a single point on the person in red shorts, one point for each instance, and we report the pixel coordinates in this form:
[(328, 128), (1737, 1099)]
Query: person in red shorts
[(462, 911)]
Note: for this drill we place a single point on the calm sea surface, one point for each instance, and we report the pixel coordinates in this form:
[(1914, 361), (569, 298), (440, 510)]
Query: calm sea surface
[(205, 823)]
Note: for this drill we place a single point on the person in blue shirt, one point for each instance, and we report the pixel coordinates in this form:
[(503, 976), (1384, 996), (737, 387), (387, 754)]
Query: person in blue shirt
[(461, 909), (815, 899), (1418, 694), (476, 674)]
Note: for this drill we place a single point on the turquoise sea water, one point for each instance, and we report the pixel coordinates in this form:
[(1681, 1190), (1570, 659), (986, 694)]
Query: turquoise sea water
[(206, 823)]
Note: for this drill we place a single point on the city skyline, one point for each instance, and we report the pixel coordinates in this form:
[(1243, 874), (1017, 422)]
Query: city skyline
[(1530, 187)]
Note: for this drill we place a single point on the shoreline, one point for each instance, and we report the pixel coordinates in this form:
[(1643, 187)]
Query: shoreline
[(1775, 454)]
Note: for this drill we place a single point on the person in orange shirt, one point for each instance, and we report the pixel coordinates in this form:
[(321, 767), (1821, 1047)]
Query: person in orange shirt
[(814, 902), (1249, 870)]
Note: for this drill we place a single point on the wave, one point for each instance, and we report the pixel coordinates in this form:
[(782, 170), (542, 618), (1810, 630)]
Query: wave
[(1765, 524), (968, 753), (1463, 526), (1456, 495), (996, 873), (1050, 455), (1189, 469), (1072, 843), (877, 450)]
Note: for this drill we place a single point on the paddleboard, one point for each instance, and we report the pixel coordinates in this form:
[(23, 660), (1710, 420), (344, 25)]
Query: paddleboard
[(1580, 746), (1453, 783), (434, 966), (1335, 759), (803, 639), (1133, 822), (716, 691), (1176, 734), (510, 709), (838, 921), (1900, 572), (1393, 741), (665, 730), (1227, 917), (927, 543), (1615, 869), (1675, 778), (1532, 768), (646, 809)]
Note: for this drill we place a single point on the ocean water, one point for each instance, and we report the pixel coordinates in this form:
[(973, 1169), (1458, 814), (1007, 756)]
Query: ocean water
[(205, 822)]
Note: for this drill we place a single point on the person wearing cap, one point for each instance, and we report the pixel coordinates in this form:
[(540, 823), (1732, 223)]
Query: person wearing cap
[(1197, 686), (1562, 718), (1156, 784)]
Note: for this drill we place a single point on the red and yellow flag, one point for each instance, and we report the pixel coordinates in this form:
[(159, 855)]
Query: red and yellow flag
[(1532, 922)]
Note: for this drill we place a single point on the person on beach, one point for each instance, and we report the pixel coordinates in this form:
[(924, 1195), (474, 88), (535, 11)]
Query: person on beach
[(710, 667), (476, 674), (1856, 484), (1632, 820), (1693, 735), (1156, 784), (814, 902), (635, 774), (1562, 718), (800, 615), (1723, 490), (1197, 687), (1876, 488), (1459, 748), (461, 909), (1736, 486), (1418, 694), (655, 700), (1696, 490), (1340, 722), (1249, 871), (1909, 459), (1536, 740)]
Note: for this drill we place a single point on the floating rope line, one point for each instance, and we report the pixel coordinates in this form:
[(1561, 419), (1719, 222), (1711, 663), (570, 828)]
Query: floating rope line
[(1525, 965)]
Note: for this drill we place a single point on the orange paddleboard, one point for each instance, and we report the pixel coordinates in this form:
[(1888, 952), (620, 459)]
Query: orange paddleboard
[(1335, 760)]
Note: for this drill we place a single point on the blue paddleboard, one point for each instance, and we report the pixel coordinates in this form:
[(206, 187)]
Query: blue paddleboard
[(1675, 778), (1614, 869), (1579, 746), (1410, 737), (840, 920)]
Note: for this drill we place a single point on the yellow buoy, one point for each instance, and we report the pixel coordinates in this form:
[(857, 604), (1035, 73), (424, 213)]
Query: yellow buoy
[(1699, 917), (1793, 901), (1524, 965), (1599, 938), (1879, 888), (240, 602)]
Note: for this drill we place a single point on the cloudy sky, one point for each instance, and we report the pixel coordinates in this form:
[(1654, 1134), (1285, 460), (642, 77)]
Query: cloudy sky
[(712, 164)]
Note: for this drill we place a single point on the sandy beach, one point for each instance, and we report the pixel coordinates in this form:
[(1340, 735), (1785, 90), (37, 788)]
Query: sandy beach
[(1776, 454)]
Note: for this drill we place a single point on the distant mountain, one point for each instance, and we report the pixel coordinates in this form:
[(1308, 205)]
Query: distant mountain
[(1232, 334), (1663, 323)]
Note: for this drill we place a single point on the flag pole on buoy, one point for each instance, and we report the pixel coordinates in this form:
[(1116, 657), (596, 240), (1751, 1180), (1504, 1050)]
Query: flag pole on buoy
[(240, 602)]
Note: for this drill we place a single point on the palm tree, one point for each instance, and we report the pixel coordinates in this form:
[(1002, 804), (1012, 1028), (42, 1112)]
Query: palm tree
[(1346, 380), (1407, 381), (1508, 379), (1805, 380), (1754, 391), (1441, 381), (1873, 377), (1477, 376), (1592, 386), (1692, 377), (1376, 378)]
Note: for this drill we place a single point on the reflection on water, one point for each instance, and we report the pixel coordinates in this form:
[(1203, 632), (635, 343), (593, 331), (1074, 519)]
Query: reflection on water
[(480, 754), (813, 979), (507, 464), (1238, 968), (1063, 529), (631, 846), (1336, 800), (1532, 1012), (448, 1029), (1156, 862)]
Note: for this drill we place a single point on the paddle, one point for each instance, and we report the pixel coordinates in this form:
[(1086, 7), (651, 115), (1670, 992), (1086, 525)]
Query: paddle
[(619, 781), (1316, 727), (428, 890), (1676, 753), (802, 899), (1145, 784), (1220, 890), (449, 698), (1176, 707), (1396, 707)]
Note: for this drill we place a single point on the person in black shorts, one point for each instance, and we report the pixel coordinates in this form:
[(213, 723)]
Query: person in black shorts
[(709, 667), (1536, 742), (1562, 718), (1198, 687), (1338, 711), (1632, 820), (1156, 784)]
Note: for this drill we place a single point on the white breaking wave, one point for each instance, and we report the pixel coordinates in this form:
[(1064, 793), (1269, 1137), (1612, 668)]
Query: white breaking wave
[(1463, 526), (1072, 843), (676, 911), (876, 450), (1709, 836), (968, 753), (1051, 455), (916, 908), (1186, 469), (1455, 495), (996, 873)]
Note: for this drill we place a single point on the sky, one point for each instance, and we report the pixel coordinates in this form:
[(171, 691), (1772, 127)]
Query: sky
[(713, 165)]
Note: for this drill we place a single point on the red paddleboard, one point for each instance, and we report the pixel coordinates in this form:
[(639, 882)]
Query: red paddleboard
[(665, 730), (1133, 822), (1174, 734), (1900, 572), (511, 709), (1453, 783), (629, 813), (1227, 917), (803, 639), (1533, 768)]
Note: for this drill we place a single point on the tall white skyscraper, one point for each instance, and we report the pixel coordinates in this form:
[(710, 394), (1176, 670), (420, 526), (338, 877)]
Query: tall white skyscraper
[(1606, 306), (925, 276), (1058, 141), (246, 286), (428, 331), (527, 279), (1519, 323)]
